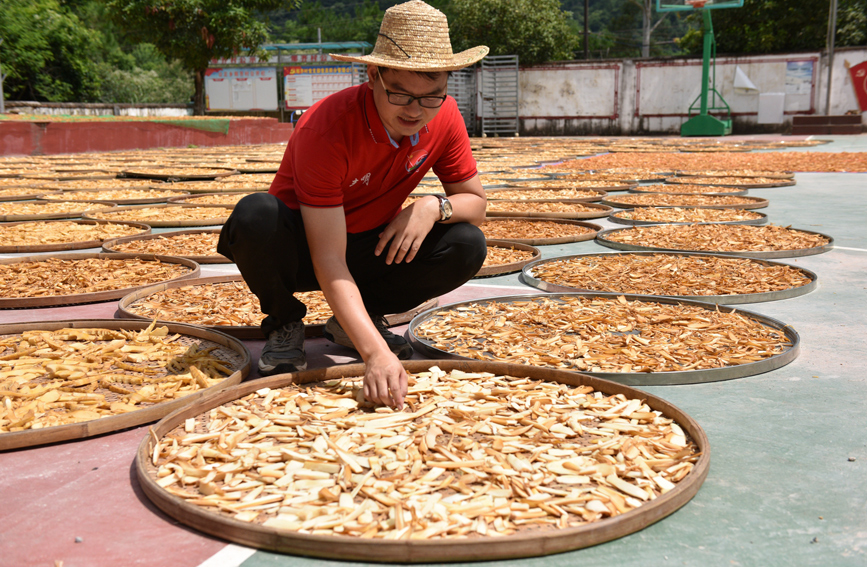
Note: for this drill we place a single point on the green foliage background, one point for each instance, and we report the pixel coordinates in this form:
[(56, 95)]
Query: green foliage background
[(126, 50)]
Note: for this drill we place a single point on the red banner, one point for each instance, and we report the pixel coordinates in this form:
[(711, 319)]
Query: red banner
[(859, 81)]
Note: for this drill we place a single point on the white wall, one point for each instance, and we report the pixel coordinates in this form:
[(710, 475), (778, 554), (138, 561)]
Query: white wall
[(654, 95)]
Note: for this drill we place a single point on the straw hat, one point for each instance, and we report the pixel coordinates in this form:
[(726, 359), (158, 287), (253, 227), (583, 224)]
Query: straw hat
[(415, 37)]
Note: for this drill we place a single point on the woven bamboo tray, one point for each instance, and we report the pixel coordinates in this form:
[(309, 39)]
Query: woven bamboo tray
[(229, 349), (248, 332), (638, 378), (599, 194), (529, 278), (521, 544), (104, 206), (30, 249), (24, 192), (176, 174), (75, 299), (135, 201), (645, 190), (697, 181), (511, 267), (595, 228), (754, 203), (109, 245), (192, 199), (598, 212), (169, 223), (614, 218), (602, 238)]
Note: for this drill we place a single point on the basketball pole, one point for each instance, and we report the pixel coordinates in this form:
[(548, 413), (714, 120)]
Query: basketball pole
[(832, 33)]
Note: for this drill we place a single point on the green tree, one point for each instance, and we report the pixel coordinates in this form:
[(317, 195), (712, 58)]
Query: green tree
[(195, 31), (773, 26), (47, 53), (535, 30)]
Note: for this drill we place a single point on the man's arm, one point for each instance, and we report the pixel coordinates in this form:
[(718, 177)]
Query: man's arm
[(409, 229), (385, 380)]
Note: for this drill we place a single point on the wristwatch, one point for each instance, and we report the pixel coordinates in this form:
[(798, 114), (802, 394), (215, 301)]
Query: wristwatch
[(445, 208)]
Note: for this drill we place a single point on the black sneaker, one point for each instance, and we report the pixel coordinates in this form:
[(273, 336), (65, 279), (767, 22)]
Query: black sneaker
[(398, 345), (284, 350)]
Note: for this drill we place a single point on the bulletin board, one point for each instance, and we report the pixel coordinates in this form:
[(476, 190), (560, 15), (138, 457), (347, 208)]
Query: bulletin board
[(305, 85), (247, 88)]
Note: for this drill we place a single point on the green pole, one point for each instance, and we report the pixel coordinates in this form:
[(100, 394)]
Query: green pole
[(705, 64)]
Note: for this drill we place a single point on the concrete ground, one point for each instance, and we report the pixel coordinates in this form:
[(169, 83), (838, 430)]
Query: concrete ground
[(788, 477)]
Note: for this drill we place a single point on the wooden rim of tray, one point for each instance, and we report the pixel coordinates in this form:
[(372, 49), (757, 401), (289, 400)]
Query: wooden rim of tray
[(525, 544), (599, 196), (253, 168), (48, 179), (105, 205), (61, 246), (108, 245), (247, 332), (601, 211), (189, 198), (30, 438), (92, 297), (755, 203), (217, 221), (25, 196), (603, 186), (781, 183), (530, 279), (763, 218), (500, 269), (664, 378), (775, 175), (738, 193), (135, 201), (547, 241), (133, 174), (602, 238), (230, 189)]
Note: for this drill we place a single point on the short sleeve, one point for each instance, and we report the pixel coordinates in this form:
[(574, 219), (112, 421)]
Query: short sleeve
[(456, 163)]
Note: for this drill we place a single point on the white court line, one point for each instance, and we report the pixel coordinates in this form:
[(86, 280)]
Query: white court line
[(852, 249), (230, 556)]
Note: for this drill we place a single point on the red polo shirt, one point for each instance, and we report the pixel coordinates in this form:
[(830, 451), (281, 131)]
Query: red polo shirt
[(340, 155)]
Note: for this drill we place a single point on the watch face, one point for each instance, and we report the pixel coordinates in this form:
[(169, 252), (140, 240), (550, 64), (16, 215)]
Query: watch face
[(446, 207)]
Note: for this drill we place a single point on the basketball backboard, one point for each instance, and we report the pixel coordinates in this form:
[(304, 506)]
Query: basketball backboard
[(682, 5)]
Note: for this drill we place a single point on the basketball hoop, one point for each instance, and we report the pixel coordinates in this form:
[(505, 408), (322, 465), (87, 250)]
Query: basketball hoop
[(696, 4)]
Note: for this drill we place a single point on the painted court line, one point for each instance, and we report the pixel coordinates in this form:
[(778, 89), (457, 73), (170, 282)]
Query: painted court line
[(230, 556)]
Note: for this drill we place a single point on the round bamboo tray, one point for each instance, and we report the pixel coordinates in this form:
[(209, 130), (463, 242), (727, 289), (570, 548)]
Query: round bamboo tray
[(595, 228), (59, 247), (233, 351), (733, 173), (500, 269), (762, 219), (645, 189), (94, 297), (638, 378), (602, 238), (103, 206), (229, 188), (599, 195), (521, 544), (603, 185), (169, 223), (697, 181), (753, 203), (177, 174), (528, 277), (109, 245), (191, 199), (135, 201), (598, 212), (258, 168), (247, 332), (20, 193)]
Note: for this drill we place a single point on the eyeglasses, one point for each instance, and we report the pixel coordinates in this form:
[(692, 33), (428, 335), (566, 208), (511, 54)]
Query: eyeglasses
[(401, 99)]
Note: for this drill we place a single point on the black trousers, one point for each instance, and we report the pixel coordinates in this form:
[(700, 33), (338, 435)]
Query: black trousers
[(266, 240)]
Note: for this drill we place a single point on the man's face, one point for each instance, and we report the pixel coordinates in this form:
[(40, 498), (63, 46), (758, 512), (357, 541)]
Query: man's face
[(403, 121)]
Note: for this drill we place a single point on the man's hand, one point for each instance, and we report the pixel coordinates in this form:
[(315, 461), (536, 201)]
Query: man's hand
[(385, 380), (408, 230)]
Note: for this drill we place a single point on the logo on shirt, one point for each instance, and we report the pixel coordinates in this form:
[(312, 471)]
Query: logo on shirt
[(415, 159)]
